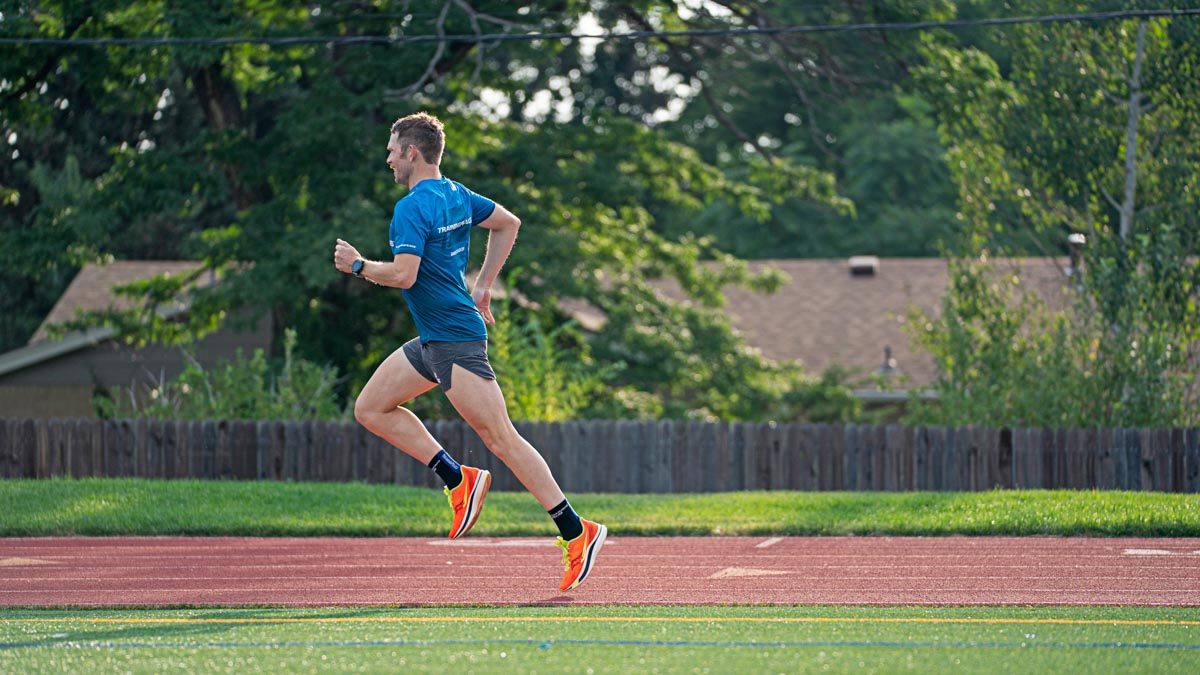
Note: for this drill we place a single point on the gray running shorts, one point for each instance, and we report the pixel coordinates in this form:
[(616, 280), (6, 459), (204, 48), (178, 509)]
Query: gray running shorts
[(435, 360)]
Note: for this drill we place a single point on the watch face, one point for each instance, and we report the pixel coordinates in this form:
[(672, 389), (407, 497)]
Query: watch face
[(356, 266)]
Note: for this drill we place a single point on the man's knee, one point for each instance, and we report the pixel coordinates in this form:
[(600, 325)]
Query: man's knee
[(364, 413), (499, 437)]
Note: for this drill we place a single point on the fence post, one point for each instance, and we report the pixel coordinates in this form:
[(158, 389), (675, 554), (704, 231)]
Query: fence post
[(1191, 460)]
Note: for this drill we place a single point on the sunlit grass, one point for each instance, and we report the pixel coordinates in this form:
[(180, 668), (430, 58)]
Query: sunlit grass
[(157, 507)]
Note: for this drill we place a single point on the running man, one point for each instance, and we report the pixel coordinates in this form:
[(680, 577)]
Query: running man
[(430, 238)]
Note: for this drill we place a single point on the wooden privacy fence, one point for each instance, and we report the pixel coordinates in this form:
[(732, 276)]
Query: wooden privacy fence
[(623, 456)]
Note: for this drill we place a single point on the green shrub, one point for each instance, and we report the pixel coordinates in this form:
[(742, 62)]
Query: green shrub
[(242, 389)]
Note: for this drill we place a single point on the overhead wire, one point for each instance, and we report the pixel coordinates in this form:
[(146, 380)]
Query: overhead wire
[(624, 35)]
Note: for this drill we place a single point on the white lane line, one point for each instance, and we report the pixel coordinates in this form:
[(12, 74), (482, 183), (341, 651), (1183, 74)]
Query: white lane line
[(769, 542), (1147, 551), (735, 572), (24, 562)]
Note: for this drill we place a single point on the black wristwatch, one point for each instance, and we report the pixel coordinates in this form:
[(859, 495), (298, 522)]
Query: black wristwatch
[(356, 268)]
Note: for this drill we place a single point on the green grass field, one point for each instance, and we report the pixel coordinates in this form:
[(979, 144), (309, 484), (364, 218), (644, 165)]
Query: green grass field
[(605, 640), (714, 639), (150, 507)]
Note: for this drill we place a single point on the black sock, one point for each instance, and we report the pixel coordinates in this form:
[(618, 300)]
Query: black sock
[(567, 520), (447, 469)]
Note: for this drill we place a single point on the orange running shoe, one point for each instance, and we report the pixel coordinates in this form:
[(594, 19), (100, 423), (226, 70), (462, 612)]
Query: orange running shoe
[(579, 554), (467, 499)]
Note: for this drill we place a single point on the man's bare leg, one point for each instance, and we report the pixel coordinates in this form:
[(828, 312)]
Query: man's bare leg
[(378, 407), (481, 403)]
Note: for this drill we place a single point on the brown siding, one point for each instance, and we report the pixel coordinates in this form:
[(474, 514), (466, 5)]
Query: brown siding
[(45, 401), (111, 364)]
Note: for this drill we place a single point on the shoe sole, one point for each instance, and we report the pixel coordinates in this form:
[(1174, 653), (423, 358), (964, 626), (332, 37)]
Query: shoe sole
[(589, 560), (475, 502)]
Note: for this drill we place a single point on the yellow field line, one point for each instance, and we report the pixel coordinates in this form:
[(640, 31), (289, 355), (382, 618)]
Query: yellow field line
[(585, 619)]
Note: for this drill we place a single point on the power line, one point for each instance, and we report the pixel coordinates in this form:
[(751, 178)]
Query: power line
[(630, 35)]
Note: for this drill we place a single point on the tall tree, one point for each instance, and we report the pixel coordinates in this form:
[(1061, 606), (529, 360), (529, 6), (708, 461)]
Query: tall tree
[(1093, 131), (255, 157)]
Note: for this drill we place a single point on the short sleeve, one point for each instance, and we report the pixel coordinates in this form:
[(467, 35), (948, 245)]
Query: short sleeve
[(409, 230), (481, 207)]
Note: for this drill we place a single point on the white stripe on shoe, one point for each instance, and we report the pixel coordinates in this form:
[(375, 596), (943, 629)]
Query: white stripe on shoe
[(593, 550)]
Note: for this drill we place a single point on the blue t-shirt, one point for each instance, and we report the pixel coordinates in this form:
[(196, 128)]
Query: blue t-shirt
[(434, 221)]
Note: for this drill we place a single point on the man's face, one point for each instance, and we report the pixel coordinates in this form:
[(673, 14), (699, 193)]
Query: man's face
[(398, 159)]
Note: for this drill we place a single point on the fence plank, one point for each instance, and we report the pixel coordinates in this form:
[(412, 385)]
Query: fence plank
[(1091, 447), (1049, 464), (827, 461), (1082, 446), (26, 438), (223, 449), (9, 460), (759, 437), (1120, 460), (909, 460), (628, 460), (179, 436), (10, 450), (577, 437), (1178, 450), (876, 439), (1105, 466), (952, 460), (1146, 445), (45, 453), (82, 441), (895, 470), (1191, 461), (657, 476), (852, 457), (1031, 459), (1133, 458), (243, 450), (1162, 460), (989, 446), (779, 460), (730, 461), (803, 439), (1003, 465)]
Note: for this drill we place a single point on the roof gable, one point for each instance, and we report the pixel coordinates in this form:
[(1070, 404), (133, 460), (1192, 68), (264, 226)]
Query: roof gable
[(92, 288)]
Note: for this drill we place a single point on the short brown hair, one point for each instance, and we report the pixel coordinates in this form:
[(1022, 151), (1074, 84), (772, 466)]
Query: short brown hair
[(425, 132)]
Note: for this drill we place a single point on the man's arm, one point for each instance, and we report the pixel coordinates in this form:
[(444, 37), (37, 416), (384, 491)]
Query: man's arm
[(502, 226), (400, 273)]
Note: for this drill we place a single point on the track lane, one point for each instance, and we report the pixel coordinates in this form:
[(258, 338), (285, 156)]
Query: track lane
[(232, 571)]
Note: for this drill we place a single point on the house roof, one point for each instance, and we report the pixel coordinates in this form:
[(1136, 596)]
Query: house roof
[(822, 315), (92, 288), (826, 315)]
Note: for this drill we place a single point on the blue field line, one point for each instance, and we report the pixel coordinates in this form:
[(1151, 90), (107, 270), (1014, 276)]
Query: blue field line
[(546, 644)]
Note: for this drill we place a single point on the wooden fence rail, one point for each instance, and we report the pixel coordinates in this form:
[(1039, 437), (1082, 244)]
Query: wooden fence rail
[(623, 456)]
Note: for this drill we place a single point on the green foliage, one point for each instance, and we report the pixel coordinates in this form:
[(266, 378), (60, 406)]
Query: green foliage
[(548, 374), (1003, 356), (244, 389), (253, 158), (1041, 151)]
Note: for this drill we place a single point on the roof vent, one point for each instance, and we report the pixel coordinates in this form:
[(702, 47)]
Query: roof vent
[(889, 365), (864, 265)]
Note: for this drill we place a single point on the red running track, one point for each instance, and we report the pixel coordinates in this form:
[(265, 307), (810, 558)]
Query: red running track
[(226, 571)]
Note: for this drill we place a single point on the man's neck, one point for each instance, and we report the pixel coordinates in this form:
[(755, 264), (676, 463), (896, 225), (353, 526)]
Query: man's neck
[(424, 173)]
